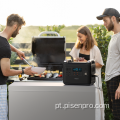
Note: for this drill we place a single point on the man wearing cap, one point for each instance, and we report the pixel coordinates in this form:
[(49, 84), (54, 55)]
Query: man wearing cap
[(111, 20)]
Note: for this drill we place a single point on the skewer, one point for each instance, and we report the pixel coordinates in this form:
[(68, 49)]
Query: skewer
[(27, 62)]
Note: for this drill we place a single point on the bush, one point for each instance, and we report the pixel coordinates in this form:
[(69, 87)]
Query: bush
[(1, 28), (52, 28), (102, 37)]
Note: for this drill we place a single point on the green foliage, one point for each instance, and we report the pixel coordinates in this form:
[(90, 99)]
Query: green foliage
[(52, 28), (13, 58), (41, 29), (1, 28), (13, 54), (102, 37)]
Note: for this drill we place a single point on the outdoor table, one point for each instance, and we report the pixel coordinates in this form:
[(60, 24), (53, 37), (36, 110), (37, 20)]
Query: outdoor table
[(51, 100)]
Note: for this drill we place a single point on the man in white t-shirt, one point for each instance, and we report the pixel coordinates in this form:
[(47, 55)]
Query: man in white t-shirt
[(111, 20)]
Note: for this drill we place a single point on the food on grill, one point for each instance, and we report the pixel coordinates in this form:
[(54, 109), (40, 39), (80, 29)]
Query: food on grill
[(55, 75), (60, 75), (48, 75)]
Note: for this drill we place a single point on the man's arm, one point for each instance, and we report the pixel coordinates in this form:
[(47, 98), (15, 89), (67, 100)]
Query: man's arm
[(5, 67), (20, 53)]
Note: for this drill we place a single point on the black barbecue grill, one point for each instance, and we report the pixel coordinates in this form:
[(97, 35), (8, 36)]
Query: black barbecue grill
[(49, 52)]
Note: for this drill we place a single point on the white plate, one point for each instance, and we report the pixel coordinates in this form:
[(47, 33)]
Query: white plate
[(39, 70)]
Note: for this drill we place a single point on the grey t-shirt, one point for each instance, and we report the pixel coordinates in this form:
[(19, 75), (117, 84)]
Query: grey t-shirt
[(113, 59)]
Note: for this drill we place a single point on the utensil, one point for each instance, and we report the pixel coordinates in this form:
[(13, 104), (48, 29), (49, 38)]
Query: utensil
[(27, 62)]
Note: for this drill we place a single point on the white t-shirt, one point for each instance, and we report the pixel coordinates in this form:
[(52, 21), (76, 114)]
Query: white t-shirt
[(113, 59)]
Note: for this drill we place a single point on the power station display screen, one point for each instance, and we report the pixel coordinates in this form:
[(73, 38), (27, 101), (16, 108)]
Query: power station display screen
[(77, 69)]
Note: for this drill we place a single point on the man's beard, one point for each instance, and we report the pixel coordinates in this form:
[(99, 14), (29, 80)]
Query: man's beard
[(15, 33), (110, 26)]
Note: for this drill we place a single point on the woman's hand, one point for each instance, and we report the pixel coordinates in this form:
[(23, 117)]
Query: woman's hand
[(98, 65), (84, 60), (81, 59)]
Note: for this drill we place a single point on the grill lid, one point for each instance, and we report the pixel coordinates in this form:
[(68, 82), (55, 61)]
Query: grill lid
[(49, 51)]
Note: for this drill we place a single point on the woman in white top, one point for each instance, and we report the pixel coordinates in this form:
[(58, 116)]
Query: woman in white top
[(86, 49)]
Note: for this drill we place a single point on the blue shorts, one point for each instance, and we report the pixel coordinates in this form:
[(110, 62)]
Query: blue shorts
[(3, 102)]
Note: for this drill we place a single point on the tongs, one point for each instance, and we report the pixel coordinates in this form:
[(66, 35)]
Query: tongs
[(27, 61)]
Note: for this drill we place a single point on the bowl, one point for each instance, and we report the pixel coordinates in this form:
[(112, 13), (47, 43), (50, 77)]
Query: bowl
[(39, 70)]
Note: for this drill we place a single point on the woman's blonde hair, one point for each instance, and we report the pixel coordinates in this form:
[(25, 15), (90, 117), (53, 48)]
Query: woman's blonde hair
[(90, 41)]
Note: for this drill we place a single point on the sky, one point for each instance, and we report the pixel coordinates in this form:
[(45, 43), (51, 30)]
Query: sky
[(56, 12)]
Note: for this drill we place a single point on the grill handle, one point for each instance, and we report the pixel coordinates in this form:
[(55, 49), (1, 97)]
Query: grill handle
[(49, 32)]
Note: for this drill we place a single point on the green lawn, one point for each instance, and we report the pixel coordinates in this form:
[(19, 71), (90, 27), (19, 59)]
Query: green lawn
[(69, 34)]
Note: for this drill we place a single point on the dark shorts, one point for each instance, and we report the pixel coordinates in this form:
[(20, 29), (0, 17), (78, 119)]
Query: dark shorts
[(112, 86)]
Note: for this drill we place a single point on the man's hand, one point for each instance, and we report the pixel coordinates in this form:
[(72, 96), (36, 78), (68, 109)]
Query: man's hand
[(29, 72), (117, 93), (20, 54)]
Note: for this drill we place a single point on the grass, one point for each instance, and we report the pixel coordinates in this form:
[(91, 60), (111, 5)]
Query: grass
[(69, 34)]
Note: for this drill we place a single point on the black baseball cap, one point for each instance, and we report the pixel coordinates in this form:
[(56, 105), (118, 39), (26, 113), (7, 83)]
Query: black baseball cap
[(109, 12)]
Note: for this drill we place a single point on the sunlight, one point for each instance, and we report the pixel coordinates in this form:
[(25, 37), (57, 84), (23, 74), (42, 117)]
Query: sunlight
[(55, 12)]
